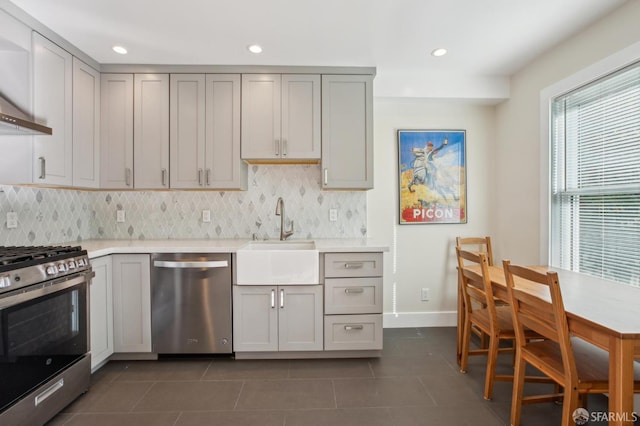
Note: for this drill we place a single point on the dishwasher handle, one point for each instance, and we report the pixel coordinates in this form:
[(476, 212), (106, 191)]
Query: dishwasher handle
[(191, 264)]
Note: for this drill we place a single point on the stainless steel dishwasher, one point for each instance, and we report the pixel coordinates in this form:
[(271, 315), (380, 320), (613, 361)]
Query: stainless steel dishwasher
[(191, 303)]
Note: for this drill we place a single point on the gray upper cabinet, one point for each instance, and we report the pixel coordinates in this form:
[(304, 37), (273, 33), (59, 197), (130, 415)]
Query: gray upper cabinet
[(116, 131), (281, 117), (52, 106), (347, 131), (205, 132), (86, 125), (151, 131)]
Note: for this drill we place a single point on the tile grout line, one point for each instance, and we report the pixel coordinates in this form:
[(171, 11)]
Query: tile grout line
[(235, 406)]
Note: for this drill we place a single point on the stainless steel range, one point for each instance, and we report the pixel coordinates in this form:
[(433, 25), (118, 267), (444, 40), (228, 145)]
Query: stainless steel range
[(44, 335)]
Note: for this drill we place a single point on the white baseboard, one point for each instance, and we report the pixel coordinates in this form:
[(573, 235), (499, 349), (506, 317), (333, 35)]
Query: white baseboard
[(420, 319)]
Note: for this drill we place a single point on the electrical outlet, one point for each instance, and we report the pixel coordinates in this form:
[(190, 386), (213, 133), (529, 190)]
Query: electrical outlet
[(120, 216), (424, 294), (206, 216), (333, 215), (12, 220)]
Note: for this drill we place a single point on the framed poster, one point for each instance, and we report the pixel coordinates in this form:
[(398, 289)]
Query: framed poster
[(432, 179)]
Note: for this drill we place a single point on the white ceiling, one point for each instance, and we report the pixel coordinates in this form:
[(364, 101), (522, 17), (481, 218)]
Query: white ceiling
[(487, 39)]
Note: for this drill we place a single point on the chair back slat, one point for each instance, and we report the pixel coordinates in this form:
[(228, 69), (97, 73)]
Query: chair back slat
[(477, 244)]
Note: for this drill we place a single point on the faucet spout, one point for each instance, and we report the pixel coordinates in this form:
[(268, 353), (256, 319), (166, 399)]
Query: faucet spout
[(280, 212)]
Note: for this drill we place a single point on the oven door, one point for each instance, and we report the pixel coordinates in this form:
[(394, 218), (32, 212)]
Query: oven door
[(43, 330)]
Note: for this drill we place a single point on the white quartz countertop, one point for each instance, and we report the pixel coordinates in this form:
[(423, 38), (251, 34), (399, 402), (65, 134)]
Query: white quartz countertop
[(97, 248)]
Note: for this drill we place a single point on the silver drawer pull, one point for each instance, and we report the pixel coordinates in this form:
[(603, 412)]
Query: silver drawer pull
[(353, 290), (354, 265), (49, 391), (353, 327)]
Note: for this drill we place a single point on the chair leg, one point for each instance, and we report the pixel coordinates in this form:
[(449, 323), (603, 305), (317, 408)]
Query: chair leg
[(466, 340), (492, 358), (518, 388), (569, 406)]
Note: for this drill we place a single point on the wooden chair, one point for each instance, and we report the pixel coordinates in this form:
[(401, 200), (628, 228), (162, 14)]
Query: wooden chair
[(494, 321), (575, 365), (480, 245)]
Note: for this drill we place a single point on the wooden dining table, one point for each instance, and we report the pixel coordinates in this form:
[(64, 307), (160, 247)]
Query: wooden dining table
[(602, 312)]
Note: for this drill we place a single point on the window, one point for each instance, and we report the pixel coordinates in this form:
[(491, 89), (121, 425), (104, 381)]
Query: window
[(595, 178)]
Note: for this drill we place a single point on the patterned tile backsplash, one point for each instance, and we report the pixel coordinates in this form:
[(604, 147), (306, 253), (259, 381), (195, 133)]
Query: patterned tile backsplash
[(51, 216)]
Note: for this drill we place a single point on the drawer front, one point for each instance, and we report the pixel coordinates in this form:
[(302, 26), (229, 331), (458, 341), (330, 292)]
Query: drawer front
[(352, 332), (353, 265), (353, 296)]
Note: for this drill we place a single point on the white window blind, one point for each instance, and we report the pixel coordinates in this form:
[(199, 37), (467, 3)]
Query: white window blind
[(595, 200)]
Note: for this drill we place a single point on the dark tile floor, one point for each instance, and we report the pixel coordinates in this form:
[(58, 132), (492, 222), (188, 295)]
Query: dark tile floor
[(415, 382)]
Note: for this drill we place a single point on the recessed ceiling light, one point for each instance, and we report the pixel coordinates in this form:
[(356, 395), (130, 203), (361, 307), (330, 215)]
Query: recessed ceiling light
[(254, 48), (439, 52), (119, 49)]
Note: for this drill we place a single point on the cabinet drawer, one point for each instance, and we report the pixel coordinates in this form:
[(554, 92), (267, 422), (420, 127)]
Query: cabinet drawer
[(353, 265), (352, 332), (353, 295)]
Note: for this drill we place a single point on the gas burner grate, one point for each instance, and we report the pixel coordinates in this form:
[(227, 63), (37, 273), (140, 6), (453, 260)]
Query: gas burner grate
[(33, 255)]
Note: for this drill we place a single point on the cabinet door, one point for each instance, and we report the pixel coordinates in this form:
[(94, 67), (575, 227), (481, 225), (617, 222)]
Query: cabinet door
[(52, 106), (224, 168), (187, 141), (131, 303), (300, 320), (347, 132), (261, 116), (101, 311), (300, 117), (116, 131), (255, 318), (151, 131), (86, 125)]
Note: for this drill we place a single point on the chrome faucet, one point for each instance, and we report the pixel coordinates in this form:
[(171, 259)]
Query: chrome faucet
[(280, 212)]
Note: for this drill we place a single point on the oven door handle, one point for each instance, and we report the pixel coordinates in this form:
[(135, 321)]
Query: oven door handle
[(49, 391), (191, 264), (47, 288)]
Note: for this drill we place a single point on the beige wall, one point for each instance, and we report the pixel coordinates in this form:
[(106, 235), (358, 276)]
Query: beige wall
[(519, 181), (422, 255)]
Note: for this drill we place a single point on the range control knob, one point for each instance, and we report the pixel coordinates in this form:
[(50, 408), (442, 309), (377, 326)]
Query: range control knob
[(62, 267), (52, 270), (71, 264), (5, 281)]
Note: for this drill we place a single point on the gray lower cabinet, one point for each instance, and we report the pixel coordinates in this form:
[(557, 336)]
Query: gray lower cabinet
[(101, 312), (353, 301), (277, 318), (131, 303)]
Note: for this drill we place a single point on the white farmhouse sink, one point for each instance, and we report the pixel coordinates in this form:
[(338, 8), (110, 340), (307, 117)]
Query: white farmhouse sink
[(278, 263)]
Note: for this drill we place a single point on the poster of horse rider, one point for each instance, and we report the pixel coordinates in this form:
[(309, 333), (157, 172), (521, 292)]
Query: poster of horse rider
[(432, 182)]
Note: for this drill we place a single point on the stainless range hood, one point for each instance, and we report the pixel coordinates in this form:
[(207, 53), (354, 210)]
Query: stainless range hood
[(14, 121)]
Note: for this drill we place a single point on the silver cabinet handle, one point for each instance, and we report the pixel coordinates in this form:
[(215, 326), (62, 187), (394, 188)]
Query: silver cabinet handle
[(354, 265), (354, 290), (273, 298), (43, 170), (206, 177), (284, 147), (127, 176), (191, 264), (325, 178), (353, 327), (200, 177), (281, 298), (49, 391), (277, 145), (164, 177)]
